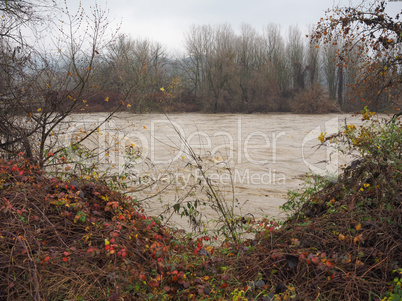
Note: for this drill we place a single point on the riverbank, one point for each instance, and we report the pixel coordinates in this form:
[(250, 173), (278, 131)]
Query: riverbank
[(80, 240)]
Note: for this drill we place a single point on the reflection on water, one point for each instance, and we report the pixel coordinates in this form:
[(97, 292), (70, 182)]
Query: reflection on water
[(253, 160)]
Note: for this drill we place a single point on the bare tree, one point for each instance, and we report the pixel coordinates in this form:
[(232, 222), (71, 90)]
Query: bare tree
[(249, 64), (276, 56), (376, 35), (295, 49), (199, 41), (44, 87), (210, 61), (135, 68), (220, 63), (313, 57), (329, 66)]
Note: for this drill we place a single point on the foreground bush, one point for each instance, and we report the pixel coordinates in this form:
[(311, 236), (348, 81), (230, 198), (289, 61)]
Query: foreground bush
[(73, 240), (313, 101)]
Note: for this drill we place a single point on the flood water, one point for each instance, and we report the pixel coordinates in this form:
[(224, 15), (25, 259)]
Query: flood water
[(251, 160)]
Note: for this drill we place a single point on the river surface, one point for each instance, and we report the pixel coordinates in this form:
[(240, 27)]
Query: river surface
[(251, 160)]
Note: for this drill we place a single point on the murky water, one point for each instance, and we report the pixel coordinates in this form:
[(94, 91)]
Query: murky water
[(251, 160)]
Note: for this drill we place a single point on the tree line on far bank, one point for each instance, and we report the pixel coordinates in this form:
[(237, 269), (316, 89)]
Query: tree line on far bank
[(221, 70), (246, 72)]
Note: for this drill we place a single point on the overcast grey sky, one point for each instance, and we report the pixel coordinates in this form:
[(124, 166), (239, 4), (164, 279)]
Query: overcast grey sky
[(167, 21)]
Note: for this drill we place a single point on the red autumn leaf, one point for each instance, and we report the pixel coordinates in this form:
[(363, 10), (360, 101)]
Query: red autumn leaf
[(224, 285), (66, 253), (154, 283), (65, 259)]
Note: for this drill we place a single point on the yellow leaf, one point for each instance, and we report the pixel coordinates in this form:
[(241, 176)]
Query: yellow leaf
[(107, 98), (39, 109), (341, 237), (358, 227), (144, 127), (209, 249), (128, 106), (359, 263), (321, 137)]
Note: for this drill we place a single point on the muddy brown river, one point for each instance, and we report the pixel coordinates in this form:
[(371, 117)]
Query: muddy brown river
[(250, 160)]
